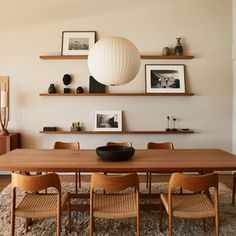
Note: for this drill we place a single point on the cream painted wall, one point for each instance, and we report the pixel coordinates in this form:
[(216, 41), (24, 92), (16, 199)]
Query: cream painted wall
[(206, 29)]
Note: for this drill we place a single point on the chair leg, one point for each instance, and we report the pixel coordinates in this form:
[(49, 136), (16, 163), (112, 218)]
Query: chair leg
[(150, 182), (69, 215), (233, 192), (217, 225), (58, 224), (147, 175), (79, 180), (12, 223), (138, 224), (170, 224), (204, 225), (76, 182), (91, 225), (160, 220)]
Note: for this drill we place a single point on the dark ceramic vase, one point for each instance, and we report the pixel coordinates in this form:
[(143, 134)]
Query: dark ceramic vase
[(178, 48), (52, 89)]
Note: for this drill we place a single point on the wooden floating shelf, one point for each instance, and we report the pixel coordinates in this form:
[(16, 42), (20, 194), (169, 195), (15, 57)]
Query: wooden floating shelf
[(114, 94), (119, 132), (85, 57)]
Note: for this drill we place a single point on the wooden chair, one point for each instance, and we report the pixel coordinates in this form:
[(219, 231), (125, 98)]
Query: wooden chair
[(234, 186), (35, 204), (113, 205), (197, 205), (151, 145), (76, 146), (124, 144)]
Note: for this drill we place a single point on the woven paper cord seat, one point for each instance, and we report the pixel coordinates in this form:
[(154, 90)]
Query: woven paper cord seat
[(115, 206), (190, 205)]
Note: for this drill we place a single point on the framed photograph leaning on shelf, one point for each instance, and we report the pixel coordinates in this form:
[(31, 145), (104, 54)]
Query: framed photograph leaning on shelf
[(75, 43), (165, 78), (108, 121)]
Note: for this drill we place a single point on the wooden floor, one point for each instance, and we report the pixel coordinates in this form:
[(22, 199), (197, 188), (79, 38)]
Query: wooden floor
[(226, 179)]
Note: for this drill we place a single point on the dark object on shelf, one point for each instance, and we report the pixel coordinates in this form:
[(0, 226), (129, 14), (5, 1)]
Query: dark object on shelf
[(66, 90), (66, 79), (165, 51), (79, 90), (168, 124), (185, 129), (52, 89), (174, 125), (95, 86), (49, 128), (115, 153), (178, 48)]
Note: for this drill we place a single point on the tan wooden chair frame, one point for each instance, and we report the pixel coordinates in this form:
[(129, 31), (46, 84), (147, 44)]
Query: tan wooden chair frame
[(34, 184), (75, 146), (152, 145), (114, 184), (234, 187), (194, 184)]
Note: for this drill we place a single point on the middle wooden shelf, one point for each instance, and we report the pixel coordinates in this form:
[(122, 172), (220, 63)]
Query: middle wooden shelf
[(115, 94), (120, 132)]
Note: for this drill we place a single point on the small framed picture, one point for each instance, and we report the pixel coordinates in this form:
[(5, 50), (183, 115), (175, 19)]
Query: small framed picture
[(165, 78), (76, 43), (108, 121)]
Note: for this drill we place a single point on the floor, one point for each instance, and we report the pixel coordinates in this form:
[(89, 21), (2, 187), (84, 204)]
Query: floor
[(226, 179)]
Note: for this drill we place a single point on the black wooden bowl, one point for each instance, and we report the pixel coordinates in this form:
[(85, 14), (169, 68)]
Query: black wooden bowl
[(115, 153)]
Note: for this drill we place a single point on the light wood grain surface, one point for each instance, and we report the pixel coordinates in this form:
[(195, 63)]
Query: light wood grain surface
[(143, 160)]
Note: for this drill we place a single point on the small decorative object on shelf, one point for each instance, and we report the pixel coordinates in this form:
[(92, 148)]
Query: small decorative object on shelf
[(75, 126), (95, 86), (174, 125), (79, 90), (52, 89), (168, 124), (49, 128), (66, 81), (165, 51), (178, 48)]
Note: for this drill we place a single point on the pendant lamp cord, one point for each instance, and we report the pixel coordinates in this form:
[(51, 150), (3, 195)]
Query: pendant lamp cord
[(114, 16)]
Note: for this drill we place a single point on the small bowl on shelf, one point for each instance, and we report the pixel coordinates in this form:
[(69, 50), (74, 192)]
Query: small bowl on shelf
[(115, 153), (185, 129)]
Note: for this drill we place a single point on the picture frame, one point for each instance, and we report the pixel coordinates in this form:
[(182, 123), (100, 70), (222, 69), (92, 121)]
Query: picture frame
[(75, 43), (161, 78), (108, 121)]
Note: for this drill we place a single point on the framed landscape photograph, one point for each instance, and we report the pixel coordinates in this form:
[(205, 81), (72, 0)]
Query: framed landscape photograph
[(165, 78), (76, 43), (108, 121)]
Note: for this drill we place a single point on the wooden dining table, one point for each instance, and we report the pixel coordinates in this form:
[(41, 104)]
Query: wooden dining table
[(49, 160), (161, 161)]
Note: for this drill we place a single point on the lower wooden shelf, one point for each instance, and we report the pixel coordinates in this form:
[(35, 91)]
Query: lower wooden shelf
[(119, 132)]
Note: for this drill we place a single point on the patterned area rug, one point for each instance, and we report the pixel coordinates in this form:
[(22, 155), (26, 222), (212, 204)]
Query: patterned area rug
[(149, 219)]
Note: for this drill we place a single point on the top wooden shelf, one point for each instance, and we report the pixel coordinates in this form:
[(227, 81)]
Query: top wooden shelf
[(85, 57)]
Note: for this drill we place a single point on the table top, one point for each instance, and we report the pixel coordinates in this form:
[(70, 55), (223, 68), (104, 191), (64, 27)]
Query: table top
[(143, 160)]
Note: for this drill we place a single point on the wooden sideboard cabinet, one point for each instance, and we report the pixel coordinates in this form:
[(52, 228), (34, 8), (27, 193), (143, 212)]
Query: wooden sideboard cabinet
[(9, 142)]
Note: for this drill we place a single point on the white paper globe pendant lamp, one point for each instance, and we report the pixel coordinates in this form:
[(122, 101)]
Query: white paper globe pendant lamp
[(114, 61)]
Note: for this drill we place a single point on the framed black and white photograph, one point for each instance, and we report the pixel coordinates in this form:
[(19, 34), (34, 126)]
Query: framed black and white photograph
[(108, 121), (165, 78), (76, 43)]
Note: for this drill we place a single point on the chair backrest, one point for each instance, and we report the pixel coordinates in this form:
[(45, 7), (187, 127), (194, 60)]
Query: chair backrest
[(123, 144), (113, 183), (35, 183), (63, 145), (196, 183), (166, 145)]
